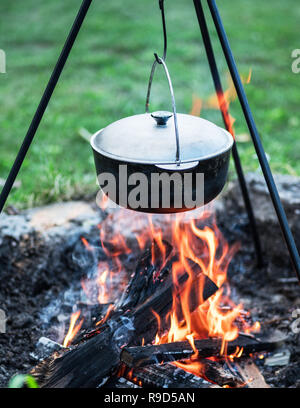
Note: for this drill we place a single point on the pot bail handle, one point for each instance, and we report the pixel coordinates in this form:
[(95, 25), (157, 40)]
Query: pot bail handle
[(161, 61)]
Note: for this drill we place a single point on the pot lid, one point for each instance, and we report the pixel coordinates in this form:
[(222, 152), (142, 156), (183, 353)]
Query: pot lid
[(150, 139)]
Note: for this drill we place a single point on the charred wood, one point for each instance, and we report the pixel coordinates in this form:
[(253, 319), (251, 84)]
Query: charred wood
[(155, 354), (163, 376), (92, 361), (211, 375)]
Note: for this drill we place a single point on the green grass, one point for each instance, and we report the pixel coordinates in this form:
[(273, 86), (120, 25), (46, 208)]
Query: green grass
[(107, 73)]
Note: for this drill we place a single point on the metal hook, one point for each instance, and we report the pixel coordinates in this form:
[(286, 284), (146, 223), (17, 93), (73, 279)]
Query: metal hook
[(157, 58)]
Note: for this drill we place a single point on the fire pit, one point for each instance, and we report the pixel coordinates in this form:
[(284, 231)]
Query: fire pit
[(144, 293)]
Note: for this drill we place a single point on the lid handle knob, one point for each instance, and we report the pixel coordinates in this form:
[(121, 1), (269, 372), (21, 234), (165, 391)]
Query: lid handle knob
[(161, 117)]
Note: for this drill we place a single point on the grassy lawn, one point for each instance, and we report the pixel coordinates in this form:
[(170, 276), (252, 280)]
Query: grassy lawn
[(106, 79)]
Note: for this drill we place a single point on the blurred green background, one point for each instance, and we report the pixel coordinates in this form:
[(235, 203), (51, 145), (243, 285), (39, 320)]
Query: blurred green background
[(106, 78)]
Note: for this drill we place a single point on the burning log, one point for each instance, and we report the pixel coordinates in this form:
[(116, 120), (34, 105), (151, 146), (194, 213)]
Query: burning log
[(145, 295), (170, 376), (163, 376), (142, 356), (92, 361), (218, 373), (147, 277), (148, 280), (161, 301)]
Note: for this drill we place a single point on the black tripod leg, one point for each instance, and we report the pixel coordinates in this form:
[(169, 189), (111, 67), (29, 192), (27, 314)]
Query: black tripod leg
[(226, 119), (44, 102), (288, 237)]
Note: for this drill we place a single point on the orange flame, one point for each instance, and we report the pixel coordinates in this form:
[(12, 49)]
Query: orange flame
[(103, 294), (201, 251), (73, 328), (220, 101), (190, 318), (108, 313)]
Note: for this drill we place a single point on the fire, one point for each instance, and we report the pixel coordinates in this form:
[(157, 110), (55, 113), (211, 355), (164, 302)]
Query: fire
[(73, 328), (237, 354), (101, 281), (108, 313), (191, 319), (200, 252)]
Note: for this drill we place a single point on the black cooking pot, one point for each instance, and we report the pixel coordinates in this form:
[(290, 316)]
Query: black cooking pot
[(141, 166)]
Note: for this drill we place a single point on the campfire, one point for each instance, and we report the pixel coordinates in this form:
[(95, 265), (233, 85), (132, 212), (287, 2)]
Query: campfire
[(174, 311), (152, 304)]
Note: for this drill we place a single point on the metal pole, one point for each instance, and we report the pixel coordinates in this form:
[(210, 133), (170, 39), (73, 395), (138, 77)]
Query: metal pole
[(44, 101), (226, 119), (255, 137)]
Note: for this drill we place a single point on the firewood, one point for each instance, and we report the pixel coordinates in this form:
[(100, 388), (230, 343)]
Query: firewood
[(142, 356), (163, 376), (250, 374), (92, 361), (218, 373), (213, 374), (142, 284)]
